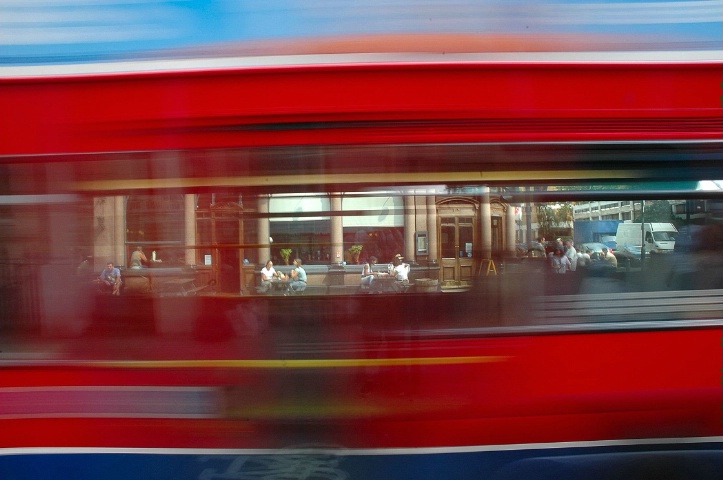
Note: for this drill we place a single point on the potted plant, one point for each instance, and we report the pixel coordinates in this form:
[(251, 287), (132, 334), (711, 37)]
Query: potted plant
[(355, 252), (285, 254)]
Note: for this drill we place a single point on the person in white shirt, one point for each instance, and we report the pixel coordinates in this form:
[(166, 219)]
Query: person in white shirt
[(559, 262), (583, 258), (571, 254), (267, 275), (400, 273)]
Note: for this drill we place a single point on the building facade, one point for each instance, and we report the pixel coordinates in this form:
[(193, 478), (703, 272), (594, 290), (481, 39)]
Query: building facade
[(225, 234)]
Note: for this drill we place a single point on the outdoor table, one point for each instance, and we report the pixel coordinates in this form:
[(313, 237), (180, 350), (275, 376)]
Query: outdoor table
[(383, 283), (281, 286)]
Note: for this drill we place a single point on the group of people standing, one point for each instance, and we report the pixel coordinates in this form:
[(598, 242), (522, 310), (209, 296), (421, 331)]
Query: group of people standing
[(566, 258)]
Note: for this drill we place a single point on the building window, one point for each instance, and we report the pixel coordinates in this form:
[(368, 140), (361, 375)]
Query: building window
[(309, 240), (156, 222), (380, 242), (302, 224), (374, 222)]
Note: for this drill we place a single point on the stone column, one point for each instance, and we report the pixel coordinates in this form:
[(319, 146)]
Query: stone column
[(432, 228), (101, 237), (409, 229), (263, 230), (510, 231), (486, 224), (119, 229), (189, 212), (337, 229)]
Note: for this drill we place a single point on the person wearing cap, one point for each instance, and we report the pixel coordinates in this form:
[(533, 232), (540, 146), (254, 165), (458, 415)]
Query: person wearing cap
[(400, 273)]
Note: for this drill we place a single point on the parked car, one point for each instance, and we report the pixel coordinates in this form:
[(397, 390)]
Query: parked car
[(595, 249), (532, 249), (629, 255), (610, 241)]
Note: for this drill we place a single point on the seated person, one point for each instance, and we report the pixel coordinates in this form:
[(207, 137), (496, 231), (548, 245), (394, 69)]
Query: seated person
[(400, 273), (368, 275), (138, 258), (268, 273), (298, 277), (609, 258), (110, 278)]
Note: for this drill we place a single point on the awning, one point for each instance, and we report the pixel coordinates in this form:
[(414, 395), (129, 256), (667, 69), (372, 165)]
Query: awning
[(299, 205), (373, 211)]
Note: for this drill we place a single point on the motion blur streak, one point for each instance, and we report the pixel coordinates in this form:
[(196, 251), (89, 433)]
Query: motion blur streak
[(415, 240), (109, 401), (326, 363), (350, 179), (77, 31)]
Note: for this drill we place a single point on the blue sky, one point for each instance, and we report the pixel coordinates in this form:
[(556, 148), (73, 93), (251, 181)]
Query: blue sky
[(52, 31)]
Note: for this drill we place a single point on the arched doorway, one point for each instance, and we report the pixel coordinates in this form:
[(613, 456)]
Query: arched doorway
[(457, 221)]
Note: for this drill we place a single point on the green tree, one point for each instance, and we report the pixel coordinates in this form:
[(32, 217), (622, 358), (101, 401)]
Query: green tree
[(564, 214), (554, 220), (545, 220), (657, 211)]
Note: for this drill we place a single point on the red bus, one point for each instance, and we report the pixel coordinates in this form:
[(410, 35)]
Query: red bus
[(485, 362)]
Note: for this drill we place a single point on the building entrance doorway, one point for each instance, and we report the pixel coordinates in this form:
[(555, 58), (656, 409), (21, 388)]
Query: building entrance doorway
[(220, 234), (457, 233), (497, 240), (228, 267)]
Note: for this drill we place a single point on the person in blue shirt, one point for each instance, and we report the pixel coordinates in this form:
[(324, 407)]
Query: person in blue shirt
[(111, 277), (298, 277)]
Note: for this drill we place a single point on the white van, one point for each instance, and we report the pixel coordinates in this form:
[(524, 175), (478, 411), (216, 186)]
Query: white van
[(659, 237)]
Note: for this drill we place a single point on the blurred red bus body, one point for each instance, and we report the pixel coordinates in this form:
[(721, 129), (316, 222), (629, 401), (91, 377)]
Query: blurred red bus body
[(418, 385)]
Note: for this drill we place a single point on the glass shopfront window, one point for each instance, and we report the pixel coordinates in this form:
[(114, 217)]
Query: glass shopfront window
[(300, 226), (156, 222), (382, 243), (309, 240), (376, 223)]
